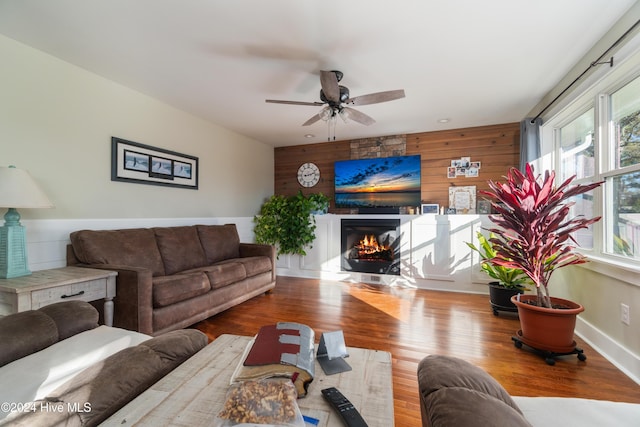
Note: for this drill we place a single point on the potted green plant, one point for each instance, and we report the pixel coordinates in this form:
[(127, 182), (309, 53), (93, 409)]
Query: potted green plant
[(508, 281), (534, 234), (287, 223), (320, 203)]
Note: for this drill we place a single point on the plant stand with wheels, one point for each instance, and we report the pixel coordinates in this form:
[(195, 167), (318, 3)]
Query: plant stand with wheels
[(498, 308), (549, 356)]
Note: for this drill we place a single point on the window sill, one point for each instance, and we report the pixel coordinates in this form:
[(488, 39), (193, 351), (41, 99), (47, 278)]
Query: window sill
[(613, 268)]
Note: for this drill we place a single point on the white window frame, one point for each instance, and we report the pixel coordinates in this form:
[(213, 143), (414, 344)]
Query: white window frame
[(594, 92)]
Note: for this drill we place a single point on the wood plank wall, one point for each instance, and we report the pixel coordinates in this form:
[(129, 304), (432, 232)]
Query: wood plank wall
[(497, 147)]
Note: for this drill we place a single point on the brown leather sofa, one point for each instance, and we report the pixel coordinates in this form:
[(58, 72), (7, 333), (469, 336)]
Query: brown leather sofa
[(172, 277), (455, 393), (80, 373)]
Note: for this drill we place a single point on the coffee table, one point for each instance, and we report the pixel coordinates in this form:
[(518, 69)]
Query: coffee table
[(194, 392)]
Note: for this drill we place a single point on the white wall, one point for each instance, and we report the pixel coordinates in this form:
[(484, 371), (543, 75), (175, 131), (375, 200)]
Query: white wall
[(57, 120)]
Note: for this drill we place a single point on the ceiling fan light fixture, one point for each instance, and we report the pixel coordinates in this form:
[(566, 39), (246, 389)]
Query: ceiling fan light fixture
[(334, 96), (326, 113), (344, 114)]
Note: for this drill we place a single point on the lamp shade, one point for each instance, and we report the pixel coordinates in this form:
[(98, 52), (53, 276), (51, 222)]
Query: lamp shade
[(19, 190)]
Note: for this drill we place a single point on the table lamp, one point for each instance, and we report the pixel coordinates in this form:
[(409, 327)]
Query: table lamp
[(17, 190)]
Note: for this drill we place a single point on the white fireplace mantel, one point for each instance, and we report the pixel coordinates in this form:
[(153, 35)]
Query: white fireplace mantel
[(434, 253)]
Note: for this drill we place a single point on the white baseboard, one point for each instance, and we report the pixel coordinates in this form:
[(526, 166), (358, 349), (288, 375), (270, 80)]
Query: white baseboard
[(622, 358)]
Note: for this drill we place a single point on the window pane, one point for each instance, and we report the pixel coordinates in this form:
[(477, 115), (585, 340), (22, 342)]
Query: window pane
[(583, 207), (576, 147), (624, 221), (625, 117)]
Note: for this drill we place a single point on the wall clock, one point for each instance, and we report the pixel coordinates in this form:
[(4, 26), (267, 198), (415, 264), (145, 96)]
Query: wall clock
[(308, 175)]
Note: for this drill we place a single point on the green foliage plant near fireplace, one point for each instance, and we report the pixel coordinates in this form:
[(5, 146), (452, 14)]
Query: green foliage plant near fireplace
[(288, 222)]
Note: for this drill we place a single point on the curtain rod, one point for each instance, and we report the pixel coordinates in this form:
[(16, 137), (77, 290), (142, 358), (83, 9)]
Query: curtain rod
[(593, 64)]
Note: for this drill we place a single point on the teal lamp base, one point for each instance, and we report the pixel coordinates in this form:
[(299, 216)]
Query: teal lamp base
[(13, 247)]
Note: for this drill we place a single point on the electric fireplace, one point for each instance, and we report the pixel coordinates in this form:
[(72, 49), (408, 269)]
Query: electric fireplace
[(370, 246)]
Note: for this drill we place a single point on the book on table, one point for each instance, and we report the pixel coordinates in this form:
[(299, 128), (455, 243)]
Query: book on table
[(285, 349)]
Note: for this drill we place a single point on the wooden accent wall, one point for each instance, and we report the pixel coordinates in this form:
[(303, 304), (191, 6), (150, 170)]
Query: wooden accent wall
[(287, 160), (497, 147)]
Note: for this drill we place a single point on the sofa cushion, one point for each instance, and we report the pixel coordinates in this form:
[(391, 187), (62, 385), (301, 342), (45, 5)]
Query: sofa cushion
[(180, 248), (225, 273), (573, 411), (437, 372), (168, 290), (220, 242), (255, 265), (108, 385), (25, 333), (178, 346), (72, 317), (133, 247), (459, 406)]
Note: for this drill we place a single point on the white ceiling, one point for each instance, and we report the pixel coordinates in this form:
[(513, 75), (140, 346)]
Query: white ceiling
[(473, 62)]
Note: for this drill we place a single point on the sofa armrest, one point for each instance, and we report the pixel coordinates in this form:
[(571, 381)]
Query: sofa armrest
[(453, 392), (133, 304), (258, 249), (106, 386), (27, 332)]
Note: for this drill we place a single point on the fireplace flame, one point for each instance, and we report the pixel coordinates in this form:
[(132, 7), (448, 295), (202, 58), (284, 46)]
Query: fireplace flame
[(369, 246)]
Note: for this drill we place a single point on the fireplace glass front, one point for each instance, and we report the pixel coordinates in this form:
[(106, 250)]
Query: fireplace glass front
[(370, 246)]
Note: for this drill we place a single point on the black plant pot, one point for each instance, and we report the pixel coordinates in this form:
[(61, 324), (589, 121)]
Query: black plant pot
[(500, 298)]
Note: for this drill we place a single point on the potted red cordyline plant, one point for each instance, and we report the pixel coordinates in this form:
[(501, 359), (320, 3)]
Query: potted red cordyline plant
[(535, 236)]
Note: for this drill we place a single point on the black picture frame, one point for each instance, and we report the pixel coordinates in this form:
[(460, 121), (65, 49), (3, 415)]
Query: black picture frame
[(144, 164)]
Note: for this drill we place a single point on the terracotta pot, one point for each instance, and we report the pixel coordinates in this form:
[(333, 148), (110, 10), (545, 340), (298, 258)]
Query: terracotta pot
[(500, 298), (547, 329)]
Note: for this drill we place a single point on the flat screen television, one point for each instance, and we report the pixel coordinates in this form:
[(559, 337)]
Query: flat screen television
[(377, 183)]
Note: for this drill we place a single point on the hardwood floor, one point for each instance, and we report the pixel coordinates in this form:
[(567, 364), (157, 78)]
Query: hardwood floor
[(412, 323)]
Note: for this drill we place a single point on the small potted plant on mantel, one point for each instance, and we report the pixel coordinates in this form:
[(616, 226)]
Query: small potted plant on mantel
[(508, 281), (534, 234)]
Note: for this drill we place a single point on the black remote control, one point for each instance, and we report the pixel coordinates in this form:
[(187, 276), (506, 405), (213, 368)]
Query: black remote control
[(349, 414)]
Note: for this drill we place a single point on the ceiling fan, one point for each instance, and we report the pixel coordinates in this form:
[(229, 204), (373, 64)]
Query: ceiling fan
[(335, 99)]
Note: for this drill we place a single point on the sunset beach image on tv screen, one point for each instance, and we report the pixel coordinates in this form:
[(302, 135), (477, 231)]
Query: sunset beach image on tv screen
[(378, 182)]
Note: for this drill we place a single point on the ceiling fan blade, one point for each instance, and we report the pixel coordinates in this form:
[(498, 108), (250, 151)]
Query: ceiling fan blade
[(359, 117), (375, 98), (329, 83), (312, 120), (276, 101)]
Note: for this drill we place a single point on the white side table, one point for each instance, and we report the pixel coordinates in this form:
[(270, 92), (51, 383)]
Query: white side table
[(46, 287)]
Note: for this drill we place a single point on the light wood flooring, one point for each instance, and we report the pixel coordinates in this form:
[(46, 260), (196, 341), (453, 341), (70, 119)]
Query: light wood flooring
[(412, 323)]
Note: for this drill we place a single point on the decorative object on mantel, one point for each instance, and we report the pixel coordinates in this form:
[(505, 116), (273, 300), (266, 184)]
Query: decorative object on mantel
[(484, 207), (463, 167), (320, 203), (463, 199), (144, 164), (430, 208), (17, 190)]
